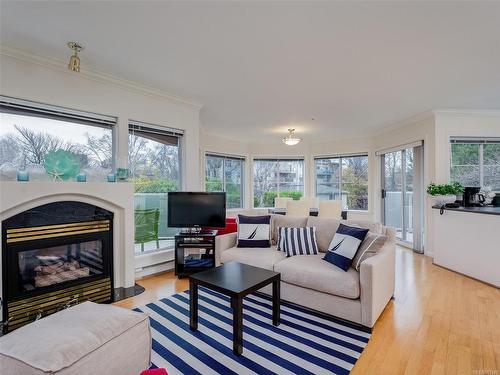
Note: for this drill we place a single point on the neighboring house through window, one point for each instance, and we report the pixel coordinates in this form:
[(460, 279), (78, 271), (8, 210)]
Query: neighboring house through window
[(282, 177)]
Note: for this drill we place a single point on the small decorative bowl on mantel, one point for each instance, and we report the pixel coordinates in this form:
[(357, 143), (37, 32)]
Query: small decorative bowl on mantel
[(122, 174)]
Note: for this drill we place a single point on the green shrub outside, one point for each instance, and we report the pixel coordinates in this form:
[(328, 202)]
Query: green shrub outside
[(158, 185), (269, 196)]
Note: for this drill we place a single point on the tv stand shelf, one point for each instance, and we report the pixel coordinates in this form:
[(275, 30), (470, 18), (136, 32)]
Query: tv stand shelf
[(189, 255)]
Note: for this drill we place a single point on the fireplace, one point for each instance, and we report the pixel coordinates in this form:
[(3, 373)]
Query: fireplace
[(54, 256)]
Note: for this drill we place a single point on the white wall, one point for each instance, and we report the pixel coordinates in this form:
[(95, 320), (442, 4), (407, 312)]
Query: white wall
[(418, 128), (50, 82)]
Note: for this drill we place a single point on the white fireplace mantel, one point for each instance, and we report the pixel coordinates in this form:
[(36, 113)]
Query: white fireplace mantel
[(16, 197)]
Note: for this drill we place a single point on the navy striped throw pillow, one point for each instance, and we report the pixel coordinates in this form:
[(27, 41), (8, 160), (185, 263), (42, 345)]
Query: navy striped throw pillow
[(344, 245), (254, 231), (297, 241)]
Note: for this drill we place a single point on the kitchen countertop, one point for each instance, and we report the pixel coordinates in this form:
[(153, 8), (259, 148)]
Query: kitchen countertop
[(488, 210)]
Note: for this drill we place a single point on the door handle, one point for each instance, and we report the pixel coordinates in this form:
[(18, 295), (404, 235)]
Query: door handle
[(383, 194)]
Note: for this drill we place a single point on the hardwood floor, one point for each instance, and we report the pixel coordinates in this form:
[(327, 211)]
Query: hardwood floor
[(439, 322)]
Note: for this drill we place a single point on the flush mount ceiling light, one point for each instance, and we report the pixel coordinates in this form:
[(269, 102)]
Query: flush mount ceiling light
[(74, 61), (291, 139)]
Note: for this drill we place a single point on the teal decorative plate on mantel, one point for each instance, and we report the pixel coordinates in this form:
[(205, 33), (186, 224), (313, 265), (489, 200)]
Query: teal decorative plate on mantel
[(62, 165)]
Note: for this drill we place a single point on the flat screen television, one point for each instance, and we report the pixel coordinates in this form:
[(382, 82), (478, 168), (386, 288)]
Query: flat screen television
[(196, 209)]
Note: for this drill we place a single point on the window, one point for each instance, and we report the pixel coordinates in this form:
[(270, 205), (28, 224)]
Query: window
[(277, 178), (154, 163), (31, 131), (345, 178), (225, 173), (476, 162)]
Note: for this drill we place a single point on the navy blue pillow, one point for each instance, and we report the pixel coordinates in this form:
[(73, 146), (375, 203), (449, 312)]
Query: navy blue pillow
[(254, 231), (344, 245)]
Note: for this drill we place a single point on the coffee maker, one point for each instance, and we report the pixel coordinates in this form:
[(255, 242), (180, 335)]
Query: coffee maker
[(472, 198)]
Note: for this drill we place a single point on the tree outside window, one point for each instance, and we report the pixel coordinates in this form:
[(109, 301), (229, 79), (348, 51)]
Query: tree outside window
[(476, 163), (343, 178), (225, 173), (154, 163), (277, 178), (26, 140)]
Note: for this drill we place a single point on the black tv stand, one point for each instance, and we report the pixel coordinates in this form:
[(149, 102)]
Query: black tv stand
[(198, 260), (197, 231)]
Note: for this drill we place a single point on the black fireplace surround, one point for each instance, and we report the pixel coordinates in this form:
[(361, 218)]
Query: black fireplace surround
[(54, 256)]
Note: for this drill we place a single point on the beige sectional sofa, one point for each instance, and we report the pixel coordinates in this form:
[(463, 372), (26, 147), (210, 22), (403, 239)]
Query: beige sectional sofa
[(310, 281)]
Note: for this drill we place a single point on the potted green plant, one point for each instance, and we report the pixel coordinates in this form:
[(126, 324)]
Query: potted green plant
[(445, 193)]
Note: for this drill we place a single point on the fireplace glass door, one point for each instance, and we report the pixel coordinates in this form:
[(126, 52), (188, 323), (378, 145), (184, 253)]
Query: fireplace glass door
[(48, 266)]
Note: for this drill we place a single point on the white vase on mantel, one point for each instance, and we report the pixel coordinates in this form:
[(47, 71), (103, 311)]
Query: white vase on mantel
[(441, 200)]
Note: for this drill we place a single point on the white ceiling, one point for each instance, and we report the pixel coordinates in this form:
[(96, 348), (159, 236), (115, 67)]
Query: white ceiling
[(258, 67)]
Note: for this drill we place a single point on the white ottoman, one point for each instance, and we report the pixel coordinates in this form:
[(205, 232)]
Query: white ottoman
[(85, 339)]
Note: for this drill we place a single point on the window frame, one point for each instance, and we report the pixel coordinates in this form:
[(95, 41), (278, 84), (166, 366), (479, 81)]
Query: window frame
[(48, 111), (277, 160), (225, 157), (142, 128), (481, 141), (340, 157)]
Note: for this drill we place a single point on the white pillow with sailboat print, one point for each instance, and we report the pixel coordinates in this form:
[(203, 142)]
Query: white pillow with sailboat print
[(254, 231)]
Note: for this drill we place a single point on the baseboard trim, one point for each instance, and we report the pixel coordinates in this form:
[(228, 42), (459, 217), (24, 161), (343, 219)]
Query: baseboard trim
[(463, 274)]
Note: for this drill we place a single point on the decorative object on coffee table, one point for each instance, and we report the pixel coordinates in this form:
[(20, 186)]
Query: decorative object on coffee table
[(235, 280), (62, 165)]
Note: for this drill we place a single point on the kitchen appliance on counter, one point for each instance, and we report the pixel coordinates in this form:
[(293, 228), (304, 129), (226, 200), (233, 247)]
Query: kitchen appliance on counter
[(496, 200), (472, 198)]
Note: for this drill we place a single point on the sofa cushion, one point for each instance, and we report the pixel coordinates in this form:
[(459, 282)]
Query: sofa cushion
[(297, 241), (265, 257), (327, 227), (312, 272), (285, 221), (371, 245), (344, 245)]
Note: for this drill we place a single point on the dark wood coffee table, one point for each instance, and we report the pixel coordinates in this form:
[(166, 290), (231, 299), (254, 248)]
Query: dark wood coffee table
[(235, 280)]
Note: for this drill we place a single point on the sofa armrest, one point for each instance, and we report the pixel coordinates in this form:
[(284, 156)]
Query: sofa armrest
[(224, 242), (377, 278)]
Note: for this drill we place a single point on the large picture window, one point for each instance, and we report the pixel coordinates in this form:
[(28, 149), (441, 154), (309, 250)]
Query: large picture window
[(476, 162), (31, 132), (154, 163), (225, 173), (277, 178), (344, 178)]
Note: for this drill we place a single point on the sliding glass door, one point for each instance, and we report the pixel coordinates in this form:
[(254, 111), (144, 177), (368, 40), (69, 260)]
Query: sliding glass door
[(402, 194)]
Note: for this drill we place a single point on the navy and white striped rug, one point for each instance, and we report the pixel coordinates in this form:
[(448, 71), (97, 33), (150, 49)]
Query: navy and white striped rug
[(304, 343)]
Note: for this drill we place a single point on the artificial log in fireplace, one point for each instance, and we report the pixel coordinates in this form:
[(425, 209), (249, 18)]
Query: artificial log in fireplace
[(54, 256)]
